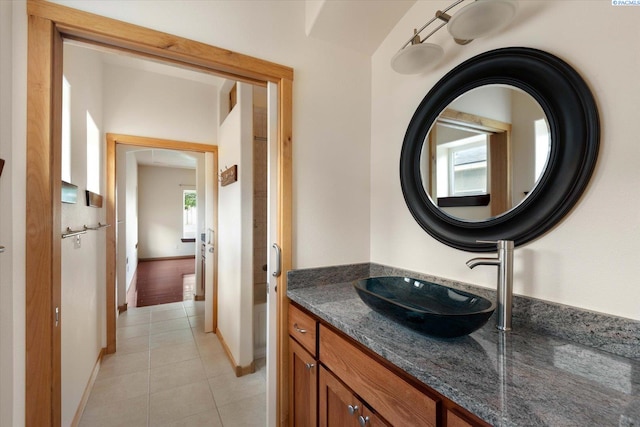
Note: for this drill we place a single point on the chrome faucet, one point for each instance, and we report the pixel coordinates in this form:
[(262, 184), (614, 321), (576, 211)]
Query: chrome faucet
[(504, 262)]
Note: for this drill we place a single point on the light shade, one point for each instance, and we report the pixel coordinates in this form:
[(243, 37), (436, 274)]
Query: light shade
[(481, 18), (416, 58)]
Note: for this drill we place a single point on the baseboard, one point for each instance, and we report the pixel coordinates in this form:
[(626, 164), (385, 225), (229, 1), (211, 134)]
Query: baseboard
[(87, 391), (167, 258), (122, 308), (199, 298), (239, 370)]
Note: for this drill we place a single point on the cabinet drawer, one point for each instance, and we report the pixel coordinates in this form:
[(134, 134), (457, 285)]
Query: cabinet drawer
[(302, 328), (393, 398), (455, 420)]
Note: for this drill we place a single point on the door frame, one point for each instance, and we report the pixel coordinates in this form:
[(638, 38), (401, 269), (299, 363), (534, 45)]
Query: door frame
[(113, 141), (48, 24)]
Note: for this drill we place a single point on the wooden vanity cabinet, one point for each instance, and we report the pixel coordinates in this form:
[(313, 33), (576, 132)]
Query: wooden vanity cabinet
[(335, 382)]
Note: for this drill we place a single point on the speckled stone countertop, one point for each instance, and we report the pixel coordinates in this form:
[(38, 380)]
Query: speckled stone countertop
[(527, 377)]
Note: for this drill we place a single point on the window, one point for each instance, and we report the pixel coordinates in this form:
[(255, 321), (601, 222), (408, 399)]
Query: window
[(468, 169), (93, 155), (543, 146), (66, 130), (464, 163), (189, 214)]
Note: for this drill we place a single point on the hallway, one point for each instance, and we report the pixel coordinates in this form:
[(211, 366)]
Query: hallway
[(167, 372)]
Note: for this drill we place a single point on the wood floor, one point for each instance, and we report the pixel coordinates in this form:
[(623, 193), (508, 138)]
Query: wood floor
[(165, 281)]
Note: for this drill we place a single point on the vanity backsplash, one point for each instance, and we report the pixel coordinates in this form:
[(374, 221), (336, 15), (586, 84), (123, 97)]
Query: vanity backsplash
[(608, 333)]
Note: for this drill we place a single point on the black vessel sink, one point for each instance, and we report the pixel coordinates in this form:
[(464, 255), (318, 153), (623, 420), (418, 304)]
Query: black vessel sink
[(427, 307)]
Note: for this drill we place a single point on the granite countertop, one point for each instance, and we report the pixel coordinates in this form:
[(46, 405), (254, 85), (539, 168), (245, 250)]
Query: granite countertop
[(525, 377)]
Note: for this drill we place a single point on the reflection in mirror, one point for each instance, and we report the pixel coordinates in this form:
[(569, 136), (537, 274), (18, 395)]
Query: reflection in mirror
[(485, 152)]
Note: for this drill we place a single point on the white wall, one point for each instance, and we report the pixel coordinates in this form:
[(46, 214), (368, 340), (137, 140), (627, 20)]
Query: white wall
[(83, 266), (331, 116), (160, 211), (590, 259), (235, 230), (143, 103)]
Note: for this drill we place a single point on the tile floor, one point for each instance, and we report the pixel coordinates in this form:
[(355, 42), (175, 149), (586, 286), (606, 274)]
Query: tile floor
[(167, 372)]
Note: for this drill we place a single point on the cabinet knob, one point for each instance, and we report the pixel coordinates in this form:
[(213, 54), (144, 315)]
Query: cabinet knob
[(298, 329), (363, 421), (309, 365), (352, 409)]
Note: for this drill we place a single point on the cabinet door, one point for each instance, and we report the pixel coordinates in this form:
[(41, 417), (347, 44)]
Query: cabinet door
[(369, 419), (303, 386), (337, 405)]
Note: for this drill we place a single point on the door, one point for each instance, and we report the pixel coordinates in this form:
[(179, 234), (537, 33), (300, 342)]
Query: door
[(338, 406), (303, 377), (273, 261)]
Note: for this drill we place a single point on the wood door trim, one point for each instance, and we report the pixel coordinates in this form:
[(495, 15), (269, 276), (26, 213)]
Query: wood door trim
[(46, 23), (88, 27), (113, 140), (43, 225)]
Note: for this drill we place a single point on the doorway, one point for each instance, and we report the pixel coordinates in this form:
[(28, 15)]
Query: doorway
[(210, 153), (48, 25)]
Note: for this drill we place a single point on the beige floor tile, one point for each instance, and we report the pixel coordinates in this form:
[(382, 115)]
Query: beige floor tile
[(216, 364), (121, 387), (192, 311), (210, 418), (261, 367), (132, 331), (170, 306), (249, 412), (163, 339), (180, 402), (119, 364), (159, 316), (175, 375), (172, 354), (131, 319), (229, 388), (137, 310), (132, 345), (168, 325), (208, 344), (197, 322), (126, 413), (168, 370)]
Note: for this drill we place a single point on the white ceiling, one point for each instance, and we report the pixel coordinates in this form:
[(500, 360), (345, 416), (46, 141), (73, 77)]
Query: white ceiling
[(138, 63), (358, 24), (166, 158)]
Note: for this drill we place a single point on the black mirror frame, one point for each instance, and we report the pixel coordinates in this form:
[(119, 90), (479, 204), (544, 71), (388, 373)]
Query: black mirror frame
[(573, 120)]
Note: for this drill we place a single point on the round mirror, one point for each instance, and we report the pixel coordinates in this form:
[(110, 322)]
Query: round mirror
[(485, 152), (502, 147)]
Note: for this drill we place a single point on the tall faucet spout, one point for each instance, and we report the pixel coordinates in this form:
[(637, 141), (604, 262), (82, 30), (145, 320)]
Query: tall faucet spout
[(504, 262), (474, 262)]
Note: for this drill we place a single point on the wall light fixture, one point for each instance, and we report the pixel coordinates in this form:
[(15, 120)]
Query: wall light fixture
[(479, 18)]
